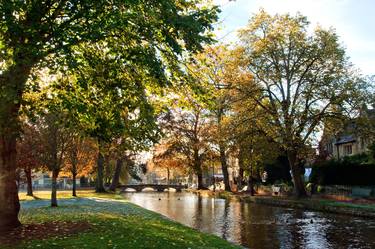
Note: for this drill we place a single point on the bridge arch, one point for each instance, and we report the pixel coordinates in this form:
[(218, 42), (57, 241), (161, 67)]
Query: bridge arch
[(129, 190), (148, 189), (170, 189)]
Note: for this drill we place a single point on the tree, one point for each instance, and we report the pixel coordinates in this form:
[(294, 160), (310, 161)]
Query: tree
[(125, 165), (123, 149), (251, 145), (210, 70), (187, 130), (116, 175), (27, 157), (165, 157), (45, 112), (54, 141), (80, 157), (114, 105), (35, 32), (302, 77)]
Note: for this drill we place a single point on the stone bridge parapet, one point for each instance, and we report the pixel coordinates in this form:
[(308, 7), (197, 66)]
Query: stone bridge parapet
[(157, 187)]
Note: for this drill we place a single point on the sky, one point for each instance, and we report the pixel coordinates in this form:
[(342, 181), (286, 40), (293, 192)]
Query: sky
[(353, 20)]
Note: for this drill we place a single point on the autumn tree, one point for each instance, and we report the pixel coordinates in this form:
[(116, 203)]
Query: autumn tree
[(80, 158), (41, 33), (165, 157), (302, 76), (209, 70), (27, 157), (51, 135), (186, 127)]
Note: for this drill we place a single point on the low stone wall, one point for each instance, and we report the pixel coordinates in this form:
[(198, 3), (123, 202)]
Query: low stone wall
[(343, 192)]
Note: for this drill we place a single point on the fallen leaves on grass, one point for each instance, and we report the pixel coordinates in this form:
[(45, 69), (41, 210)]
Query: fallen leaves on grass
[(42, 231)]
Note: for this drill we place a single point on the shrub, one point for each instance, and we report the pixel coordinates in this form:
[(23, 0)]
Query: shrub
[(278, 171), (355, 170), (320, 189)]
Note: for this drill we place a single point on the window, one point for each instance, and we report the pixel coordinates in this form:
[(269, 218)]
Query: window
[(329, 148), (348, 150), (363, 143)]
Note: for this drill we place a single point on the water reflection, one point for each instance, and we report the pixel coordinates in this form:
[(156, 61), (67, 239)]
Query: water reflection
[(258, 226)]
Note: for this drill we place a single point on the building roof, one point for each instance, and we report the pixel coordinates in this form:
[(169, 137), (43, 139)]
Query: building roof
[(345, 139)]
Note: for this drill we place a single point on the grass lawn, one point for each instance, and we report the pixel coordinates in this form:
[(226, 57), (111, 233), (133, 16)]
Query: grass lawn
[(64, 194), (369, 207), (111, 222)]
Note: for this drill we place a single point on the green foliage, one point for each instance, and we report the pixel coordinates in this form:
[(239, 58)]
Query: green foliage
[(320, 189), (278, 170), (150, 35), (358, 159), (371, 148), (354, 170), (42, 28)]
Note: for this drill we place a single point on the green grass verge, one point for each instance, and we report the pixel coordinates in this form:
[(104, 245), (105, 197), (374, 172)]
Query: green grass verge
[(114, 224), (323, 205), (332, 203)]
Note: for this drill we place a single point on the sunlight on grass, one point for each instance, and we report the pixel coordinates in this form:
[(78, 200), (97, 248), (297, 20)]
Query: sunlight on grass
[(63, 194), (114, 223)]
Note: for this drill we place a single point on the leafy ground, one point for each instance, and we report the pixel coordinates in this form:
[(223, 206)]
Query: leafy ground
[(105, 223)]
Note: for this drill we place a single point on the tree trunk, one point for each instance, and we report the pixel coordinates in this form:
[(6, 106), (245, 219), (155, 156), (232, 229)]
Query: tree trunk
[(240, 179), (12, 82), (223, 157), (99, 188), (74, 190), (250, 182), (250, 186), (299, 187), (55, 174), (241, 170), (74, 171), (200, 180), (167, 176), (29, 181), (9, 202), (198, 169), (107, 170), (116, 175), (224, 167)]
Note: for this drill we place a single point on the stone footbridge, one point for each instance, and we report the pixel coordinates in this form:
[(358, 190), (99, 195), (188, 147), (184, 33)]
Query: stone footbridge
[(156, 187)]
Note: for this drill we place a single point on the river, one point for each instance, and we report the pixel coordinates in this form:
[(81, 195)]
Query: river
[(259, 226)]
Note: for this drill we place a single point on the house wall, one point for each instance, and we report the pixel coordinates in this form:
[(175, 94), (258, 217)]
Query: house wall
[(42, 180), (358, 147)]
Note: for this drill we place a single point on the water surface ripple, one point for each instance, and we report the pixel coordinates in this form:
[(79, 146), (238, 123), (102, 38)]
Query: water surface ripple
[(260, 226)]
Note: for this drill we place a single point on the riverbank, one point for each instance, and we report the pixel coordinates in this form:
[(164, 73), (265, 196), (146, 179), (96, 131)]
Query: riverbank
[(314, 203), (100, 221)]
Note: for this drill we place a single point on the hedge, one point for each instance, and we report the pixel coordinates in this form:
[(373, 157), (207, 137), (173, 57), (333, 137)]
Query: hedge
[(355, 171)]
